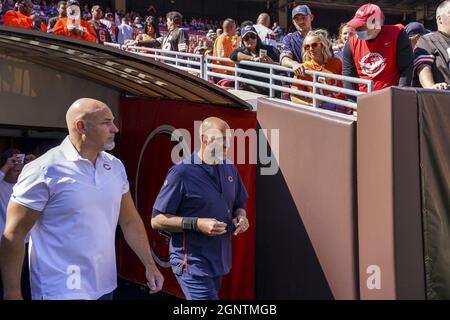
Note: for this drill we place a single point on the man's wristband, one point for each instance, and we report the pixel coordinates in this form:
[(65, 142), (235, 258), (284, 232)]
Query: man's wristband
[(189, 224)]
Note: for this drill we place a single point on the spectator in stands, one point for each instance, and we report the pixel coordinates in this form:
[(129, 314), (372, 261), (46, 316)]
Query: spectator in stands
[(225, 44), (110, 25), (101, 30), (62, 13), (209, 47), (201, 48), (86, 13), (266, 34), (219, 32), (291, 50), (150, 37), (176, 39), (23, 17), (254, 50), (317, 56), (124, 31), (83, 30), (138, 26), (211, 35), (378, 52), (415, 30), (8, 5), (432, 53), (277, 30), (345, 32)]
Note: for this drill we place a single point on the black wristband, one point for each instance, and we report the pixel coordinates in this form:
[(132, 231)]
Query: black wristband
[(189, 224)]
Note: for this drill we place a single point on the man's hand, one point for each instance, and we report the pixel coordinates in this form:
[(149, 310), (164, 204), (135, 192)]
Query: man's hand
[(35, 18), (77, 31), (155, 279), (29, 158), (211, 227), (131, 42), (241, 224), (440, 86), (10, 163), (266, 59), (299, 69)]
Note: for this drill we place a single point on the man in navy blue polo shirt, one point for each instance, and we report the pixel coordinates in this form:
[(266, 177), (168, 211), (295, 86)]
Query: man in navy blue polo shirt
[(291, 50), (201, 203)]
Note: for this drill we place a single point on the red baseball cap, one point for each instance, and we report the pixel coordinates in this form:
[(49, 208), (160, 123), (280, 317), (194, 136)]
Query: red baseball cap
[(367, 12)]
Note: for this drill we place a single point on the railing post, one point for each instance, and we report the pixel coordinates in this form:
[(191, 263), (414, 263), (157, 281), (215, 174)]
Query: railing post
[(370, 87), (236, 82), (314, 90), (203, 68), (271, 91)]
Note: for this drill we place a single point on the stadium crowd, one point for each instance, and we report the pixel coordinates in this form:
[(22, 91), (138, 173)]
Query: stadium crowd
[(365, 47)]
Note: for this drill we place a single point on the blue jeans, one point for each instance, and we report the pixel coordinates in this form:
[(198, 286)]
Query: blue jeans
[(199, 288)]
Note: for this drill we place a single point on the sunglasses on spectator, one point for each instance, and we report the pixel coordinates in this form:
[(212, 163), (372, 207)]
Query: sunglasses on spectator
[(252, 36), (312, 46)]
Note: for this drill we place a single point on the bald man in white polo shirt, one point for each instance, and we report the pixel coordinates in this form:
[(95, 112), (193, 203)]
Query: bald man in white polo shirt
[(74, 196)]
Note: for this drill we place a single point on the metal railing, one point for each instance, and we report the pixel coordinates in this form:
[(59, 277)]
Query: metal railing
[(274, 78)]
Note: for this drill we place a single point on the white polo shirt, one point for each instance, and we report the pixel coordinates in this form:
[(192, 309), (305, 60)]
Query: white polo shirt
[(72, 247)]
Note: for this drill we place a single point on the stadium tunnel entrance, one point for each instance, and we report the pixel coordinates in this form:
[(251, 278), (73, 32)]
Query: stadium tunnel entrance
[(41, 75)]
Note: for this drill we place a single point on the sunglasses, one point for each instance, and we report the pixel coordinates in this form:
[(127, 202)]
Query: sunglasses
[(312, 46), (252, 36)]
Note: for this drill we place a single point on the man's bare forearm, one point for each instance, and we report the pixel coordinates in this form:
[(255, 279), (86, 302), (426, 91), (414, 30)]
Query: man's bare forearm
[(12, 251), (136, 237), (167, 222), (244, 57), (425, 76), (288, 62)]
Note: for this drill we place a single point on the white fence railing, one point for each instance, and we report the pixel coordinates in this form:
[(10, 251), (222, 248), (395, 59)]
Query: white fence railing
[(274, 78)]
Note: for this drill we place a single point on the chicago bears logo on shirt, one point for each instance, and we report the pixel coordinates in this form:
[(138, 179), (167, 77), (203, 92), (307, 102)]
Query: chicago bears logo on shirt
[(107, 166), (372, 64), (230, 179)]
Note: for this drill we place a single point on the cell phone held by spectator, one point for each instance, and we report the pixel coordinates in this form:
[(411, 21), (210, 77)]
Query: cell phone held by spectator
[(262, 52), (19, 158)]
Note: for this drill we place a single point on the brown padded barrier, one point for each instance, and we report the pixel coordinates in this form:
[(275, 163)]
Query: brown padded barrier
[(389, 212), (434, 126), (306, 225)]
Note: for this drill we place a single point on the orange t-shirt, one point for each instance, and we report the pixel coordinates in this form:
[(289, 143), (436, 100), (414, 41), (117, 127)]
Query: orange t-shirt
[(333, 65), (223, 47), (60, 28), (16, 19)]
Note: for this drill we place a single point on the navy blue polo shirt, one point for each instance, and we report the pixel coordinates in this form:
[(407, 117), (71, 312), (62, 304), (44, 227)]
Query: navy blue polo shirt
[(195, 189), (292, 46)]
